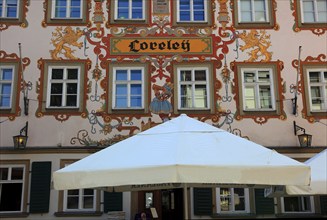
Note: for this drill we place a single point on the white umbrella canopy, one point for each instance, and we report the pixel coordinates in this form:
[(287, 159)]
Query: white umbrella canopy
[(181, 151), (318, 183)]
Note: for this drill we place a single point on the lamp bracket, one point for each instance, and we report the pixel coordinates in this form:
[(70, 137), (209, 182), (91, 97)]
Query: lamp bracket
[(297, 128), (24, 129)]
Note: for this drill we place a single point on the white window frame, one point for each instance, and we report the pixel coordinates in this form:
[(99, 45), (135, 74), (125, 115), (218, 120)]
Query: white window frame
[(192, 13), (4, 10), (193, 83), (10, 181), (68, 7), (64, 82), (232, 196), (128, 83), (322, 85), (80, 202), (6, 82), (130, 11), (256, 86), (302, 197), (267, 12), (315, 11)]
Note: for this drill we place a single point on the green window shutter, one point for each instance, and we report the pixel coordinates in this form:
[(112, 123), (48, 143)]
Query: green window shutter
[(202, 200), (40, 187), (263, 204), (113, 201), (323, 204)]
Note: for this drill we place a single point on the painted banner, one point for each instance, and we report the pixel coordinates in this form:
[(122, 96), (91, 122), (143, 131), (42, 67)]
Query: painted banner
[(158, 45)]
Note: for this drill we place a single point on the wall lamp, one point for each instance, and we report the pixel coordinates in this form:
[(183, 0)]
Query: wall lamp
[(304, 139), (21, 139)]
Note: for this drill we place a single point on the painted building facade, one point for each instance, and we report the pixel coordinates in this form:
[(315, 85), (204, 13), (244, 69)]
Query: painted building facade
[(86, 74)]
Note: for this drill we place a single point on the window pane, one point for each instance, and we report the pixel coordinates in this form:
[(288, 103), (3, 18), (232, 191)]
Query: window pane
[(186, 75), (75, 12), (71, 88), (17, 173), (136, 74), (198, 4), (3, 173), (55, 100), (73, 192), (314, 76), (316, 99), (60, 13), (121, 89), (137, 3), (260, 16), (199, 16), (136, 89), (122, 3), (186, 96), (89, 192), (123, 13), (88, 203), (200, 96), (6, 74), (121, 75), (264, 76), (137, 14), (121, 101), (184, 5), (71, 100), (245, 5), (185, 16), (5, 89), (72, 203), (249, 77), (249, 98), (56, 88), (225, 199), (57, 73), (200, 75), (265, 97), (136, 101), (75, 3), (72, 74), (61, 3), (11, 197)]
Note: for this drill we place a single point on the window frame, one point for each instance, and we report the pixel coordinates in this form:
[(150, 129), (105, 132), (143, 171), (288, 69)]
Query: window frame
[(259, 117), (25, 185), (130, 12), (312, 205), (62, 113), (320, 84), (315, 11), (205, 5), (232, 195), (51, 20), (64, 81), (68, 10), (208, 17), (128, 82), (193, 83), (110, 88), (12, 84), (114, 20), (256, 85), (270, 13), (5, 7), (20, 19)]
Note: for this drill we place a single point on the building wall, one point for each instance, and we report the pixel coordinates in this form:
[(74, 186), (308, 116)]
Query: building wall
[(91, 44)]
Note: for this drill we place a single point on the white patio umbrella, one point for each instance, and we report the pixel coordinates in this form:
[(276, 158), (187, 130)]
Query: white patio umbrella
[(178, 152), (318, 183)]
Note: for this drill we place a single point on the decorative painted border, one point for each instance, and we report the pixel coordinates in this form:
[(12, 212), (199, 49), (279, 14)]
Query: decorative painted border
[(14, 58), (61, 114), (317, 29), (21, 21), (320, 60), (259, 117)]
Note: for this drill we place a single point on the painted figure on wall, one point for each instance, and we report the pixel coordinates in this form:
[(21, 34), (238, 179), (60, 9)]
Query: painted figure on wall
[(160, 104)]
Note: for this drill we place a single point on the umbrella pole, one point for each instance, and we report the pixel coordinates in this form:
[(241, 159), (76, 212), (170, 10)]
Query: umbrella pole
[(185, 202)]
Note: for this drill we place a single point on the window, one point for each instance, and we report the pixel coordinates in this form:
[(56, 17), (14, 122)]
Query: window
[(12, 190), (79, 200), (9, 9), (197, 12), (129, 9), (192, 10), (63, 87), (66, 12), (7, 74), (128, 87), (314, 11), (193, 88), (232, 200), (258, 92), (297, 204), (67, 9), (317, 80), (254, 13)]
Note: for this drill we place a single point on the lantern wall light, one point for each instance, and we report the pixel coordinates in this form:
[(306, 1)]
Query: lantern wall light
[(21, 139), (304, 139)]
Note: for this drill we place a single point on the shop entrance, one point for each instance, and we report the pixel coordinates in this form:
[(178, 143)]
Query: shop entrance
[(167, 203)]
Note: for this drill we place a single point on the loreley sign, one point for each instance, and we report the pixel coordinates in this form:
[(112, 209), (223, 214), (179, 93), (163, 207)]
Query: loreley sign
[(143, 46)]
